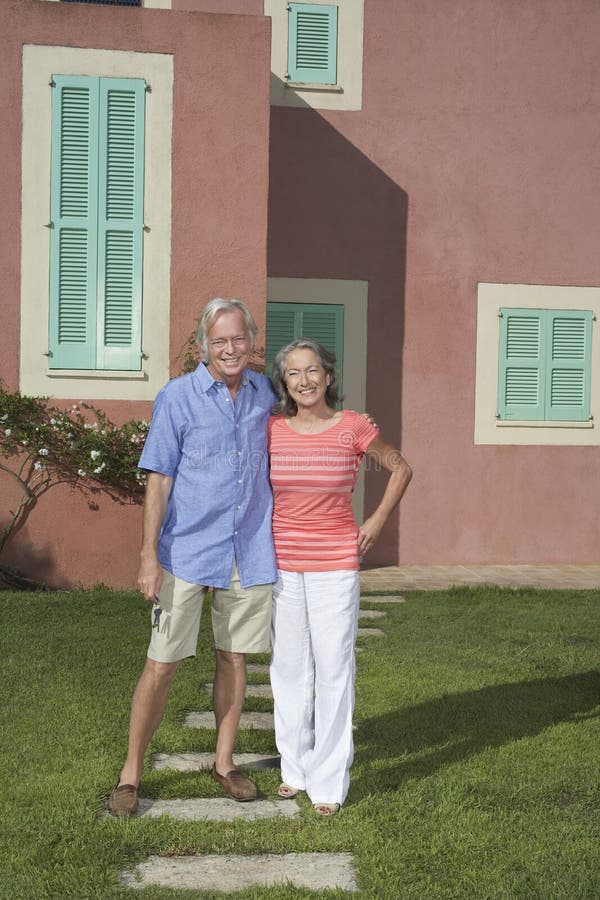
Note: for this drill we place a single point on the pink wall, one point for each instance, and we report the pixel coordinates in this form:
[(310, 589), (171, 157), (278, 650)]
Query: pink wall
[(474, 158), (220, 180)]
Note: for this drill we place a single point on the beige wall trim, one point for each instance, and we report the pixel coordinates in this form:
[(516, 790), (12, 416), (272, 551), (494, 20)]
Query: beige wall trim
[(39, 63), (488, 430), (347, 94), (353, 296)]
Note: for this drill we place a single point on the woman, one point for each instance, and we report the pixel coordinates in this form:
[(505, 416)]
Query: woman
[(316, 451)]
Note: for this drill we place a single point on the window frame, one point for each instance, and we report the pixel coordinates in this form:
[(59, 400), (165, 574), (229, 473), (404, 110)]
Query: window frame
[(40, 62), (488, 428)]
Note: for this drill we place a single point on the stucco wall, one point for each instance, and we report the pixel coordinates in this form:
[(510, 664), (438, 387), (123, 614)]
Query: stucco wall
[(473, 159), (219, 201)]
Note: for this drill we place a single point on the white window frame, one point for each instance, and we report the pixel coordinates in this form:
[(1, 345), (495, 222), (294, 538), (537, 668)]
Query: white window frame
[(346, 94), (39, 64), (488, 428)]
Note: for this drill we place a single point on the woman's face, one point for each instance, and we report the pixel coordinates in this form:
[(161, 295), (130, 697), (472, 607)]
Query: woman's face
[(306, 379)]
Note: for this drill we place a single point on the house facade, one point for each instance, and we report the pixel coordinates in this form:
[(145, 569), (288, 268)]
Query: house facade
[(413, 183)]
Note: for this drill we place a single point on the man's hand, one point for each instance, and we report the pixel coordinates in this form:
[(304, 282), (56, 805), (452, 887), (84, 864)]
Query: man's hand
[(150, 578)]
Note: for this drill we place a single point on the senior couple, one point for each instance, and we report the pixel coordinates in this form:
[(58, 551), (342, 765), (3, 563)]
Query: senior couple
[(282, 560)]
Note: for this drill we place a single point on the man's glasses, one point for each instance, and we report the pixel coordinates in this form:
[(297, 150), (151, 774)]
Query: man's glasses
[(221, 343)]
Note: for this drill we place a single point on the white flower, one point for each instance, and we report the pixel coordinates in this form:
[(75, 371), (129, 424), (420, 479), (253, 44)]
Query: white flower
[(95, 454), (99, 469), (43, 452), (25, 443), (38, 466), (53, 421), (81, 473), (8, 431), (69, 436), (4, 417)]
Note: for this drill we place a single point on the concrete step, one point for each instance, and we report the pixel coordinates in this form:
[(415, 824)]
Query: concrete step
[(194, 762), (217, 809), (315, 871), (371, 614), (382, 599), (252, 690), (260, 720), (258, 668), (370, 632)]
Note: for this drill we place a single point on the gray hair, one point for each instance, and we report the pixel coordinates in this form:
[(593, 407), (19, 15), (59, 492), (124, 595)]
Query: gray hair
[(212, 311), (287, 406)]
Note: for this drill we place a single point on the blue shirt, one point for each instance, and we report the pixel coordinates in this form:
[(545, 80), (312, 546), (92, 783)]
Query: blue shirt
[(220, 505)]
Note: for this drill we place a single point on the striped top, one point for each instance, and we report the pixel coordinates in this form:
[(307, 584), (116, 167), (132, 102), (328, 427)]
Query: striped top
[(313, 476)]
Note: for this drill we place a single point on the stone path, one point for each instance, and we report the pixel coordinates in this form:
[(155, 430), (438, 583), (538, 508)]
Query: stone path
[(315, 871)]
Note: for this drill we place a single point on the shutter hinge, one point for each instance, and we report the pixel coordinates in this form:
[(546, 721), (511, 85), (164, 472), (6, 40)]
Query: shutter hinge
[(49, 225), (145, 227), (500, 314), (52, 82), (148, 88), (144, 355), (593, 318), (47, 353)]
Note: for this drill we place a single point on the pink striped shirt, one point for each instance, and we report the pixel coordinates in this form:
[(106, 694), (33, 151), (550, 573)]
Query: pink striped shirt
[(313, 476)]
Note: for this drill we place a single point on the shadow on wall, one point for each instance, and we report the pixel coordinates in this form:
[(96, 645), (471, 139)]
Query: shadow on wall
[(334, 214), (449, 729), (24, 565)]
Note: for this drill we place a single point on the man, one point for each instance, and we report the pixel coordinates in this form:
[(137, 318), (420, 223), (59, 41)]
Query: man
[(207, 521)]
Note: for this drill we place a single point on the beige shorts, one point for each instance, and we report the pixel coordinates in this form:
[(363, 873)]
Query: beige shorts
[(241, 618)]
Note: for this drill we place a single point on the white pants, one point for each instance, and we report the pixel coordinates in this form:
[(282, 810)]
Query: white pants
[(315, 619)]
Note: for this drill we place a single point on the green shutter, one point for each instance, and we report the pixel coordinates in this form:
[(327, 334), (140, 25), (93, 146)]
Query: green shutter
[(97, 215), (568, 376), (121, 223), (283, 325), (323, 322), (545, 365), (73, 215), (312, 43), (522, 364)]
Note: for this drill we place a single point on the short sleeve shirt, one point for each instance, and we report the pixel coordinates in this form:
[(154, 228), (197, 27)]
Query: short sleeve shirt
[(215, 450), (313, 476)]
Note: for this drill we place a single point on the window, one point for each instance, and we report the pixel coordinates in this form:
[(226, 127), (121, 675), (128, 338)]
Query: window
[(312, 43), (108, 2), (96, 213), (323, 322), (537, 365), (316, 53), (545, 364)]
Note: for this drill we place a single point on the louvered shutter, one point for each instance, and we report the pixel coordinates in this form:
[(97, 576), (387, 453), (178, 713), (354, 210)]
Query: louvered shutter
[(568, 375), (73, 214), (120, 223), (522, 364), (312, 43), (283, 323)]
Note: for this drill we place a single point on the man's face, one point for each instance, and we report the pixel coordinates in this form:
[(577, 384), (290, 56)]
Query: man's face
[(228, 347)]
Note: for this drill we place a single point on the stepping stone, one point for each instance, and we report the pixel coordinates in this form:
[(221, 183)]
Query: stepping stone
[(371, 614), (217, 809), (371, 632), (315, 871), (252, 690), (194, 762), (260, 720), (258, 668), (376, 599)]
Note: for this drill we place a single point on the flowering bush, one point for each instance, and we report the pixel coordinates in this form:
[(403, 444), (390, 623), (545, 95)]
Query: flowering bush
[(42, 445)]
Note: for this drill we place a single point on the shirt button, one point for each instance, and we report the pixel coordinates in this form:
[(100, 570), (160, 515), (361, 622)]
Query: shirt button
[(238, 506), (235, 532), (239, 480)]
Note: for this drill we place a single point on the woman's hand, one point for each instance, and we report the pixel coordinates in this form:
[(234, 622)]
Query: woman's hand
[(368, 533)]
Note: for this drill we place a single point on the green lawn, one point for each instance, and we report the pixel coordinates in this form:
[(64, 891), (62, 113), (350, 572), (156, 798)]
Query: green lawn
[(477, 768)]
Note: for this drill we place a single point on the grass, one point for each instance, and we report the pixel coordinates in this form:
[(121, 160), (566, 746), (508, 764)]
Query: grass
[(476, 775)]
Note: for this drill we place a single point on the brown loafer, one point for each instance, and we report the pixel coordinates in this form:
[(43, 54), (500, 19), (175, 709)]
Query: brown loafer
[(123, 800), (236, 785)]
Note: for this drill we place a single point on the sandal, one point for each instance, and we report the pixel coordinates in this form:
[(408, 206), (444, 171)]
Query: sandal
[(326, 809), (286, 792)]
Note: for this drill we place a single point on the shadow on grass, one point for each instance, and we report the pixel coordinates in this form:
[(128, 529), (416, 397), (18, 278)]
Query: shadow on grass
[(454, 727)]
